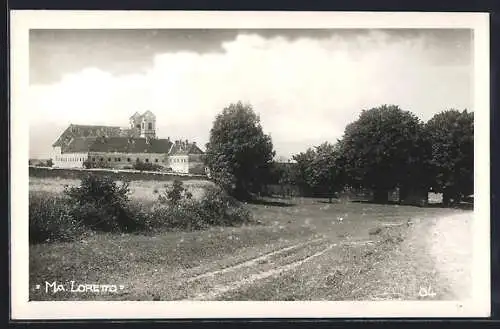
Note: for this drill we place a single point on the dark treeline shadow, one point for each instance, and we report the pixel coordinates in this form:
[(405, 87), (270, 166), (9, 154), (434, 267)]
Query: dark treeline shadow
[(326, 201), (270, 203), (463, 206)]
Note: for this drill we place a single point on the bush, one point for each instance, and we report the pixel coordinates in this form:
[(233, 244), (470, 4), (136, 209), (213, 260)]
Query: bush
[(50, 220), (40, 163), (219, 208), (99, 164), (147, 166), (185, 216), (101, 204), (175, 194), (216, 208)]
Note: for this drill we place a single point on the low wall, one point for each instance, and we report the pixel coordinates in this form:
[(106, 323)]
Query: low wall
[(117, 174)]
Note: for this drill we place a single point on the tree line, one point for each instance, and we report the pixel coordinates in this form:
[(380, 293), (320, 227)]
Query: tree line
[(384, 149)]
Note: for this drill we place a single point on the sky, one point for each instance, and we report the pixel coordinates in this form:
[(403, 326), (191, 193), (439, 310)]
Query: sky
[(306, 85)]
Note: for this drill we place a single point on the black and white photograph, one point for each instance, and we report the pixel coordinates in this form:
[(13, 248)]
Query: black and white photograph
[(272, 161)]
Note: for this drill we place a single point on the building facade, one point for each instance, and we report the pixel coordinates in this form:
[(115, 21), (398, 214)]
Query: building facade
[(115, 147)]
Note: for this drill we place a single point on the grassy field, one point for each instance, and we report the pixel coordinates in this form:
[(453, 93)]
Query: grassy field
[(303, 249), (139, 190)]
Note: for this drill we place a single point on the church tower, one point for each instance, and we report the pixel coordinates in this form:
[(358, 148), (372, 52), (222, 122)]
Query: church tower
[(135, 121), (148, 125)]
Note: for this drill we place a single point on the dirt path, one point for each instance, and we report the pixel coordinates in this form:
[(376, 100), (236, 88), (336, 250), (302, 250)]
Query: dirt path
[(432, 262), (450, 245)]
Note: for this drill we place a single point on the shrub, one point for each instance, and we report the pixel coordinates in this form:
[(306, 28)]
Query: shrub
[(184, 216), (219, 208), (175, 194), (40, 163), (50, 219), (102, 204), (141, 215), (99, 164), (147, 166), (216, 208)]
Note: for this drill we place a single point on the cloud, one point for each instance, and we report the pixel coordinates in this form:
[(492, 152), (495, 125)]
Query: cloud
[(306, 90)]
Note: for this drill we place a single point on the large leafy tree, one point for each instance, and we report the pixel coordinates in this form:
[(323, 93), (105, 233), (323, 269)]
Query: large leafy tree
[(451, 134), (238, 152), (326, 172), (384, 149), (282, 175), (319, 170), (302, 175)]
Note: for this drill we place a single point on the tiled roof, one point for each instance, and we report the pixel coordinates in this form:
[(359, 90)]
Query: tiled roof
[(132, 132), (135, 115), (119, 144), (85, 138), (131, 145), (78, 145), (185, 148), (74, 131)]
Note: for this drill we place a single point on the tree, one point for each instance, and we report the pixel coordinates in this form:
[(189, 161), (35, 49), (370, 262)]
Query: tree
[(384, 149), (281, 175), (302, 173), (286, 179), (326, 173), (318, 171), (451, 134), (238, 152)]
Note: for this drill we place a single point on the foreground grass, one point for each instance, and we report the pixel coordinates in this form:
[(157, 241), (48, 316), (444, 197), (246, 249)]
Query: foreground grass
[(142, 262), (157, 267)]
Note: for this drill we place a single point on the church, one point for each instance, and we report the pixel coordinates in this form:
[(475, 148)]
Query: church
[(122, 148)]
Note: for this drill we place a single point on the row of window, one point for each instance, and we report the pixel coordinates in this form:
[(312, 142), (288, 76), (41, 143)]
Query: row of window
[(76, 159), (145, 160), (120, 159), (69, 159)]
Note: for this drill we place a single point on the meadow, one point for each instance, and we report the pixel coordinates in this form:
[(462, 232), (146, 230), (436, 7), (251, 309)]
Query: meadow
[(296, 249), (145, 191)]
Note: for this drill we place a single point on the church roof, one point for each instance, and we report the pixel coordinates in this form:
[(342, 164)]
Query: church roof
[(78, 145), (74, 131), (135, 115), (92, 138)]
